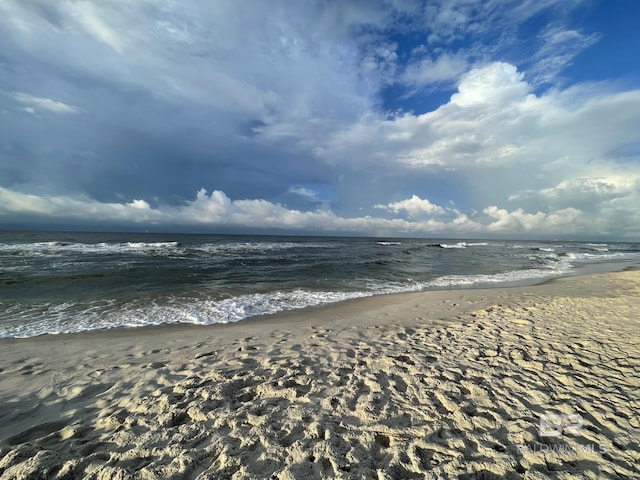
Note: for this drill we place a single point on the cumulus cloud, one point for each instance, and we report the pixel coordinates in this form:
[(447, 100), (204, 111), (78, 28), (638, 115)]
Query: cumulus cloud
[(482, 123), (495, 121), (205, 210), (521, 221), (414, 206), (551, 153), (217, 210), (494, 85)]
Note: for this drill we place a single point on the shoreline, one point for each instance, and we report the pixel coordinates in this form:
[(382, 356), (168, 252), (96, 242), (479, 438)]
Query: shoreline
[(582, 270), (444, 382)]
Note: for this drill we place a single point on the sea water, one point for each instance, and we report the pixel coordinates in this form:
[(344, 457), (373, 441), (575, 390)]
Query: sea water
[(55, 282)]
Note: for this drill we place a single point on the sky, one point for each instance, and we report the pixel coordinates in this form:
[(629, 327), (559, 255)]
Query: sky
[(449, 118)]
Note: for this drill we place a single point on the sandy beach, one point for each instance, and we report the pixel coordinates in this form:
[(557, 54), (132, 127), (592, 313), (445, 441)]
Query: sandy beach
[(527, 382)]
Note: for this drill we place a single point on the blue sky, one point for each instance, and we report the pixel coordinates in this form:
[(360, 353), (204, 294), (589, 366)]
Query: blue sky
[(458, 118)]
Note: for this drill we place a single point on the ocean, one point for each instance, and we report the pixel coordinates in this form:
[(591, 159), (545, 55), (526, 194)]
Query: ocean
[(56, 282)]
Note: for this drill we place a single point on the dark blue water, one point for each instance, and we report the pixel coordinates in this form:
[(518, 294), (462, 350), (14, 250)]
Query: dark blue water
[(70, 282)]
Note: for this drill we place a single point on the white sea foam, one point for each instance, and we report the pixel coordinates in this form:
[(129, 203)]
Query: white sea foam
[(53, 248), (462, 244), (506, 277), (576, 257), (233, 248), (598, 247), (70, 318), (453, 245)]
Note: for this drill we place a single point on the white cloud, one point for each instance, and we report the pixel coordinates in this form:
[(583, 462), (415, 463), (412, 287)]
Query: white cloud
[(495, 85), (447, 20), (493, 121), (485, 122), (445, 68), (89, 18), (218, 210), (304, 192), (140, 205), (414, 206), (559, 47), (380, 62), (275, 64), (583, 191), (565, 220), (550, 154), (47, 104)]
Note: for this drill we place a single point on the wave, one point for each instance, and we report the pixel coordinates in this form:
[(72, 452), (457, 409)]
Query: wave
[(147, 245), (258, 247), (459, 245), (449, 245), (598, 247), (42, 249), (506, 277), (577, 257), (67, 317), (132, 302), (53, 248), (48, 318)]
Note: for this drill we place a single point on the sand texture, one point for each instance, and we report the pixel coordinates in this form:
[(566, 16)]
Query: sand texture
[(434, 385)]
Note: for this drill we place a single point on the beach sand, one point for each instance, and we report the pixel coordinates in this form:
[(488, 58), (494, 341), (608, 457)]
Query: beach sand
[(528, 382)]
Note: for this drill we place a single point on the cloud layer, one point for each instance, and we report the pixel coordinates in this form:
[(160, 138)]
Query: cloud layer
[(376, 118), (219, 211)]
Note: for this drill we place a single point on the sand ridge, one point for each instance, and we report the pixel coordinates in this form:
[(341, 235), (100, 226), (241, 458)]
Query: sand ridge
[(409, 395)]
